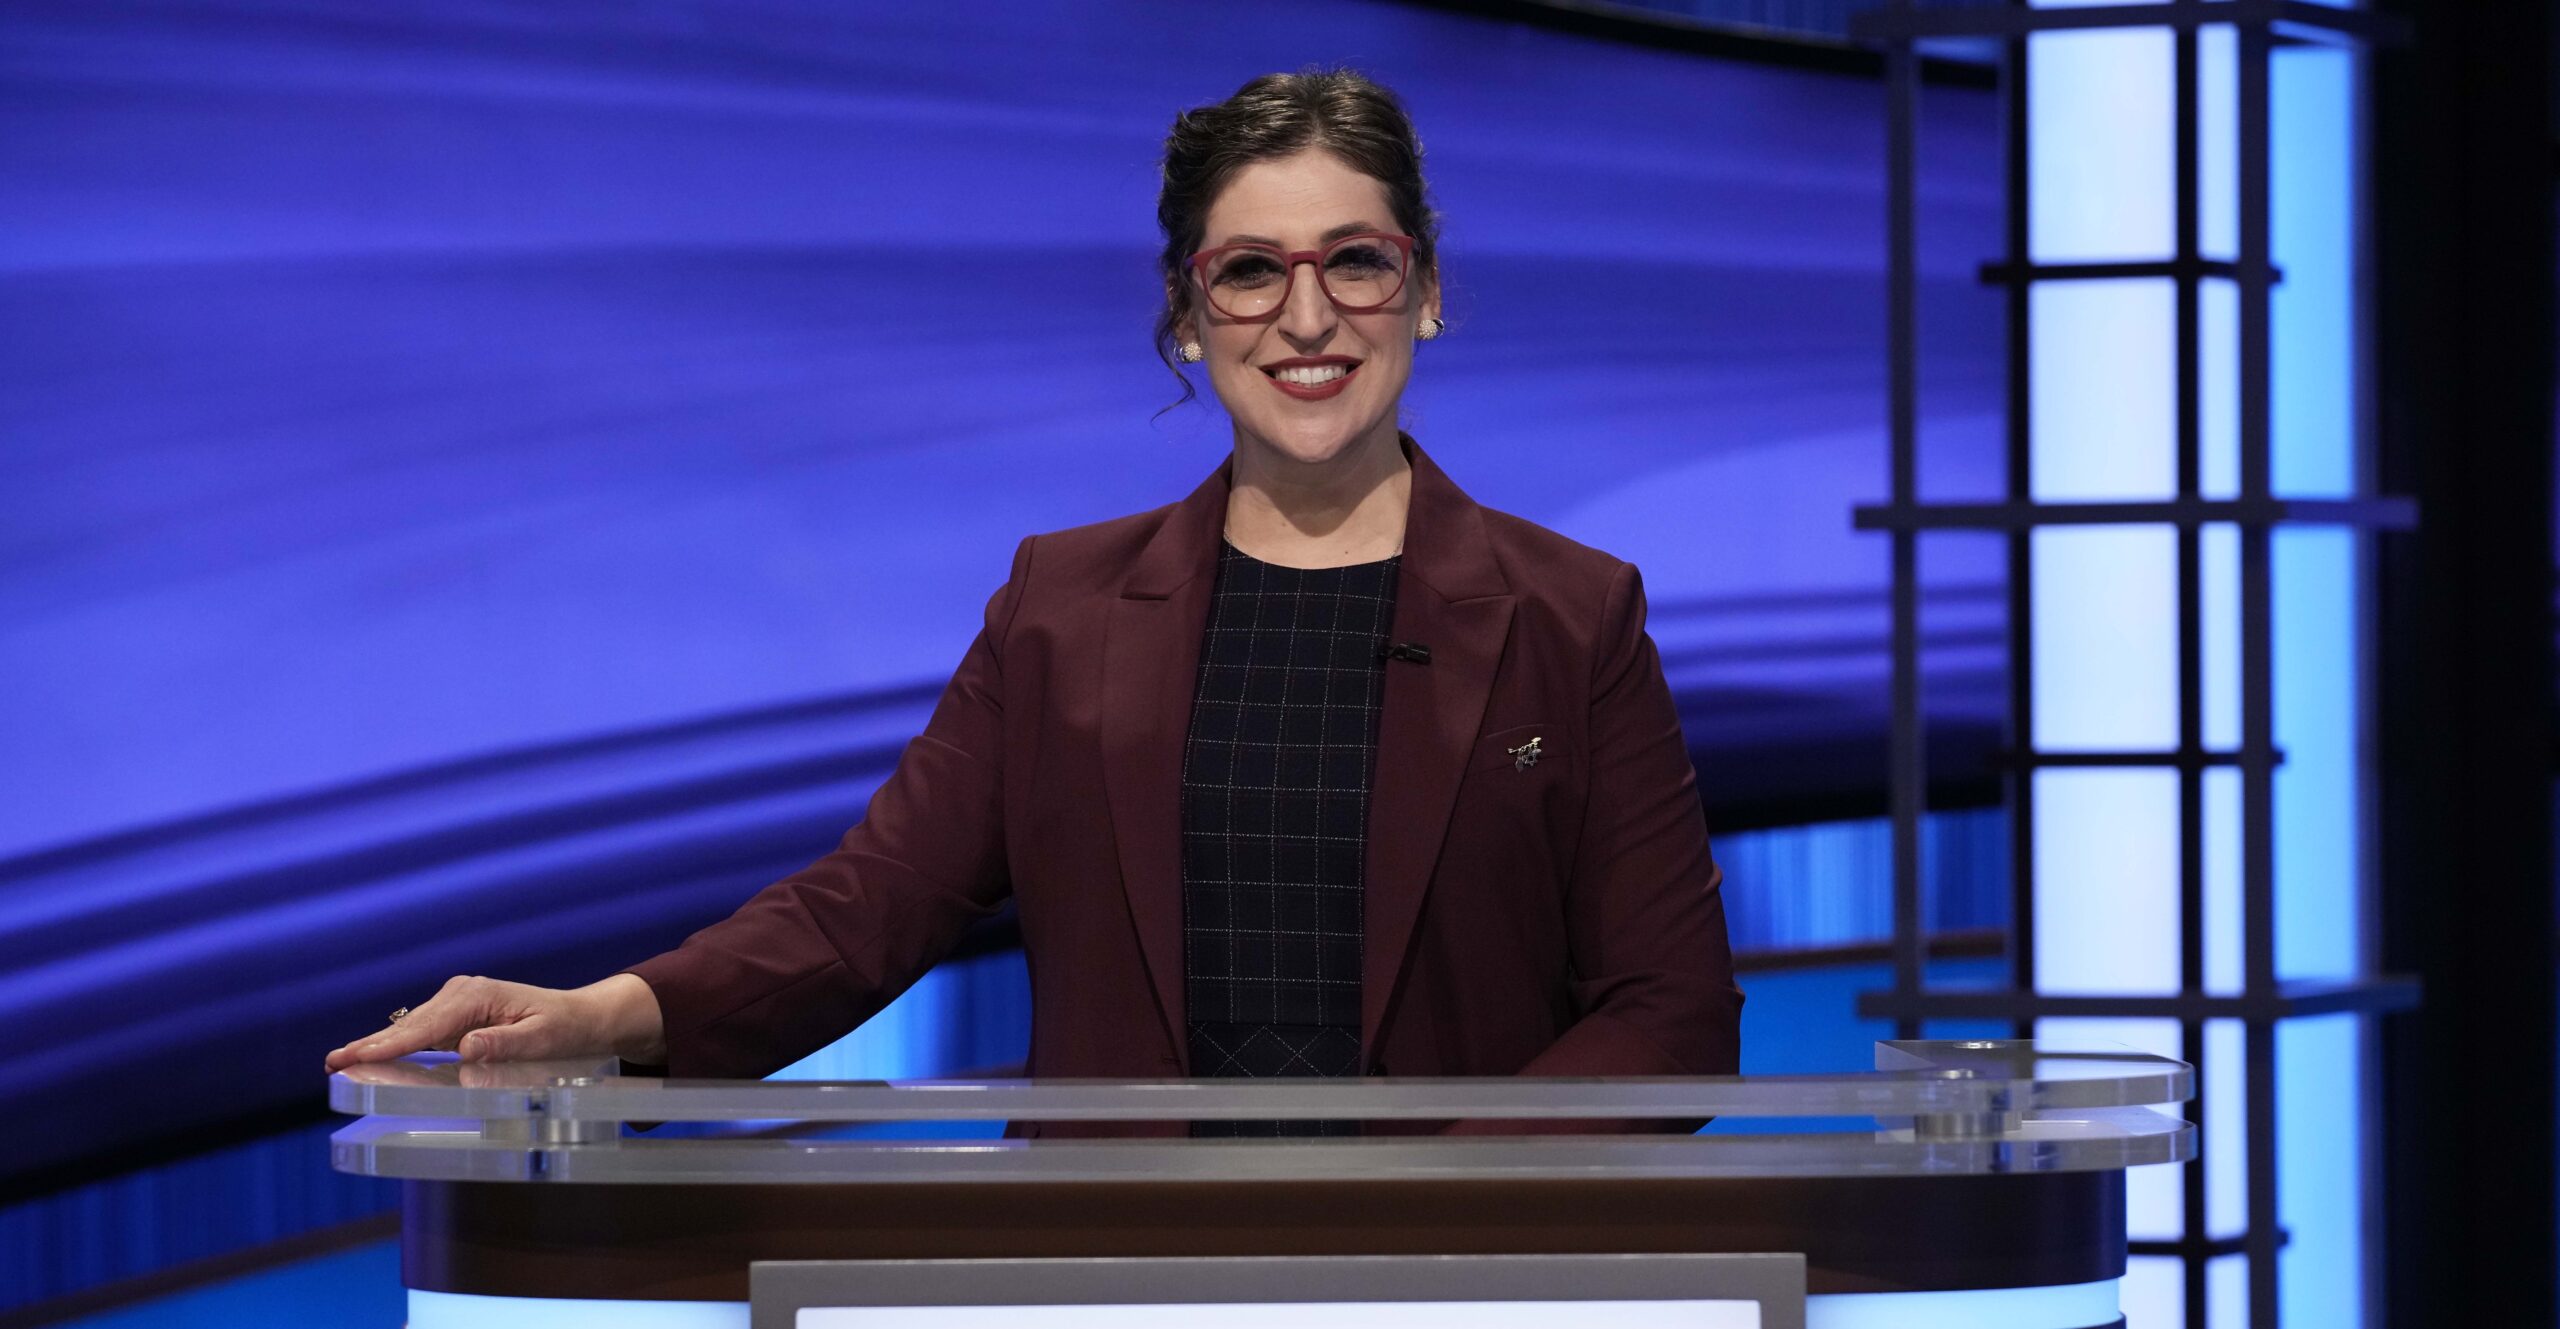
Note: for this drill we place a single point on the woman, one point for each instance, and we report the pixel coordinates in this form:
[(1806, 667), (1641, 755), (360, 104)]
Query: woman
[(1325, 769)]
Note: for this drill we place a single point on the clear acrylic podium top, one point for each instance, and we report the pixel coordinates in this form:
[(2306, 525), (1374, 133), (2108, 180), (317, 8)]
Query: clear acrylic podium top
[(1937, 1108)]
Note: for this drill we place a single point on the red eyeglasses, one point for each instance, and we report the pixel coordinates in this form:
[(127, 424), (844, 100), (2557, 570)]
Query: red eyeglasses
[(1357, 273)]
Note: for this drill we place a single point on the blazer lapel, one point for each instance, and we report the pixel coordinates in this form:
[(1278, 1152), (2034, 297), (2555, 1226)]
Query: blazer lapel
[(1451, 596), (1151, 663)]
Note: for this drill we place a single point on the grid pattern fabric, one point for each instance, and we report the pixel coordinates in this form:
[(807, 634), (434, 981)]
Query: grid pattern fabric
[(1275, 803)]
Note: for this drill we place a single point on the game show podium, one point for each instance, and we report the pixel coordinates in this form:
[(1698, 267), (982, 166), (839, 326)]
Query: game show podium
[(1959, 1183)]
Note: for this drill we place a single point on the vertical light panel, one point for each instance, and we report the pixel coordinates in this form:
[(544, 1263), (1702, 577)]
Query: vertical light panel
[(2100, 125), (2104, 608), (2103, 387), (2321, 1077)]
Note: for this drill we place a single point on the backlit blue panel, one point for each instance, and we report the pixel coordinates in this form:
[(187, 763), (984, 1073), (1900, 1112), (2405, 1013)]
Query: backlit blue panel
[(2320, 710), (2104, 612), (358, 1288), (1831, 883), (2105, 645)]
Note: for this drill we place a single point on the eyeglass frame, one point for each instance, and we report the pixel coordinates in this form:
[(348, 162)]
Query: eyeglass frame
[(1289, 261)]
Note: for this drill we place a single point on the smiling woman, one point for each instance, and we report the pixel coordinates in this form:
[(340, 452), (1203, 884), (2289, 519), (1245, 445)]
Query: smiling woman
[(1320, 171), (1325, 769), (1310, 372)]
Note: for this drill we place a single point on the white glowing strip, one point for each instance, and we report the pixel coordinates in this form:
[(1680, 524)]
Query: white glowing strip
[(2102, 425), (2068, 1306), (2073, 1306), (1302, 1315), (457, 1310)]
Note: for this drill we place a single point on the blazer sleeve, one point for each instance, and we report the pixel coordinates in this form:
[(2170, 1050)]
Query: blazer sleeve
[(1652, 977), (813, 955)]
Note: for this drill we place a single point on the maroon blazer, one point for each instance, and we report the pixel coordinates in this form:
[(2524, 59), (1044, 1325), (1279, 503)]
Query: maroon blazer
[(1560, 918)]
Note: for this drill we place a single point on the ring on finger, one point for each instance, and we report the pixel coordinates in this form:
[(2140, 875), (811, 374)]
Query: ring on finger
[(399, 1015)]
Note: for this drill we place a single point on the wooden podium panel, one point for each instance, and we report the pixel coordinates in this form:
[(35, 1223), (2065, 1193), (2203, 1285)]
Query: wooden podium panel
[(695, 1242)]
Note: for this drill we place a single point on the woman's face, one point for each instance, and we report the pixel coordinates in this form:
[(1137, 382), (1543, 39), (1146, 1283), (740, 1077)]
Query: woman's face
[(1296, 203)]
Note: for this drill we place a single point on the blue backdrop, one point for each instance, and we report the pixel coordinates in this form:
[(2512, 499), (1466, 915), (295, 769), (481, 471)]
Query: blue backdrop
[(488, 484)]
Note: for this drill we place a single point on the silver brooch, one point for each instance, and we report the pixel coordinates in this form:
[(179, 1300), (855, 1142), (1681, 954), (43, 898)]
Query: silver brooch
[(1524, 756)]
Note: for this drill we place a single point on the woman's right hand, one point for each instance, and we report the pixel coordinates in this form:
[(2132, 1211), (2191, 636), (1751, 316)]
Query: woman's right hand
[(486, 1019)]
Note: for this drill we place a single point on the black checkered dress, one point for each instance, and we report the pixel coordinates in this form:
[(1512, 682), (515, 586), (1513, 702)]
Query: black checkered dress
[(1275, 815)]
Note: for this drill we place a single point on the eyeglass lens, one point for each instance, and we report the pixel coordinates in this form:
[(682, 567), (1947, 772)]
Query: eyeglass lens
[(1359, 272)]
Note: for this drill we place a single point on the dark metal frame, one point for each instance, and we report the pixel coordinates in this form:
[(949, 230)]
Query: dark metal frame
[(2264, 1000)]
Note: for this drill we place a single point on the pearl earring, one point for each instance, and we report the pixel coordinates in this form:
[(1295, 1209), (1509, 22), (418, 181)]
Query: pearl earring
[(1431, 328), (1190, 353)]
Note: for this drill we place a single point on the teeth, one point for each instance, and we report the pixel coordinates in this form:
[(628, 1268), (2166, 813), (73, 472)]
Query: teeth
[(1310, 375)]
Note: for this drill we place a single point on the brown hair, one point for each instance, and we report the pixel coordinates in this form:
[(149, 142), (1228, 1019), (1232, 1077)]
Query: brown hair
[(1276, 115)]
